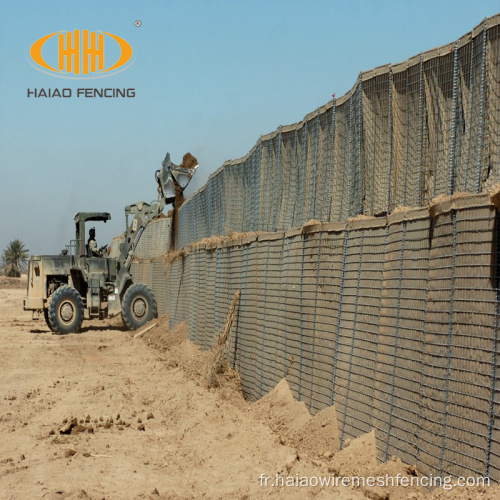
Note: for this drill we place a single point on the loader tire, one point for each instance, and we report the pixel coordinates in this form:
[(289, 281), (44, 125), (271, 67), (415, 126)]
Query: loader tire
[(46, 316), (66, 311), (138, 306)]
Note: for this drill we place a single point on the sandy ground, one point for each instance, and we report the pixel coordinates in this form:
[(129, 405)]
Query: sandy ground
[(102, 414)]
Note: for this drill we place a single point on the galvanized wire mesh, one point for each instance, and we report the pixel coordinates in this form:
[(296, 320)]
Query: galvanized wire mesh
[(155, 240), (394, 320), (403, 135)]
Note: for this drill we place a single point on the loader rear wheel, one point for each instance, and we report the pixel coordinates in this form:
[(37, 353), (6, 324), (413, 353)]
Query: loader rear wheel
[(66, 311), (138, 306)]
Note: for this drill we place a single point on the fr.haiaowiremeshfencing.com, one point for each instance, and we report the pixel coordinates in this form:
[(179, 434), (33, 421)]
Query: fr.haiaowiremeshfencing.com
[(445, 482)]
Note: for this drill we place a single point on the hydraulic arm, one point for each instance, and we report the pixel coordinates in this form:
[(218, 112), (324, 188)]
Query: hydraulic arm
[(167, 178)]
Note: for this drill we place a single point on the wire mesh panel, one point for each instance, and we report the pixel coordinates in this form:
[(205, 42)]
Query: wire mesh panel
[(327, 300), (401, 339), (247, 193), (175, 280), (156, 239), (361, 317), (203, 297), (340, 205), (273, 328), (308, 311), (172, 282), (401, 136), (219, 290), (159, 286), (261, 326), (324, 171), (289, 183), (296, 183), (191, 290), (234, 283), (256, 264), (356, 188), (376, 142), (209, 282), (310, 165), (292, 352), (460, 339), (347, 312), (265, 194), (136, 271), (491, 151), (244, 355), (407, 133)]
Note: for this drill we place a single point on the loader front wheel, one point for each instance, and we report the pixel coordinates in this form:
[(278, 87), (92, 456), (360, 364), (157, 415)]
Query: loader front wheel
[(66, 311), (46, 316), (138, 306)]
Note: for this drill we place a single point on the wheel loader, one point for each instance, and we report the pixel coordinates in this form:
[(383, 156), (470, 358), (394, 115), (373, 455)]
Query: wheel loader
[(78, 284)]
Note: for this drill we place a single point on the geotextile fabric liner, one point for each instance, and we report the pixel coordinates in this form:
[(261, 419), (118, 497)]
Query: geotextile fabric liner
[(404, 134), (393, 320)]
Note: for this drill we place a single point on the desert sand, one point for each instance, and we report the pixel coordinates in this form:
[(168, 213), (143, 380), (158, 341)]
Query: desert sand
[(104, 414)]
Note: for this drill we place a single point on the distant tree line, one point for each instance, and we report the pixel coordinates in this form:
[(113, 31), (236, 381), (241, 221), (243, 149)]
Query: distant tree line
[(14, 259)]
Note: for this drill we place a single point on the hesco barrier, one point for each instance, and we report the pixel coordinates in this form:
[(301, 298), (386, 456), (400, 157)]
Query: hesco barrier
[(394, 320), (156, 239), (403, 135)]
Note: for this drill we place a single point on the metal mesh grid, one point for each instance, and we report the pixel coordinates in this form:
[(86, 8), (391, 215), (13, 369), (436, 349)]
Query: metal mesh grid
[(155, 240), (393, 320), (359, 329), (376, 150), (403, 135), (460, 338), (401, 338)]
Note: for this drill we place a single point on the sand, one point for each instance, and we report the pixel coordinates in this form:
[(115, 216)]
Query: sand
[(104, 414)]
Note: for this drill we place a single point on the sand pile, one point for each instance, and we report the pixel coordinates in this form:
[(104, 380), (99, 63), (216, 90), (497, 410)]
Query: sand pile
[(106, 414), (188, 161)]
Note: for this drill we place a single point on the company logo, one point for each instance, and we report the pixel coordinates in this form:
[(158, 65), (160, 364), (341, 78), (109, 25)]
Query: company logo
[(80, 55)]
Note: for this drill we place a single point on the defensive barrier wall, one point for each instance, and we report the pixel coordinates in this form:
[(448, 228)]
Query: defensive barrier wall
[(156, 239), (403, 135), (394, 320), (391, 315)]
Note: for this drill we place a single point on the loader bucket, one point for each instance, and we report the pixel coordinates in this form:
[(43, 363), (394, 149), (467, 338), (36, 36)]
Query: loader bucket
[(183, 175), (166, 175)]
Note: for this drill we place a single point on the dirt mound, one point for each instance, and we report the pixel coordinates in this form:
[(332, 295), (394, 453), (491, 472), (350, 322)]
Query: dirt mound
[(407, 474), (160, 335), (181, 352), (357, 457), (319, 436), (190, 358), (282, 412)]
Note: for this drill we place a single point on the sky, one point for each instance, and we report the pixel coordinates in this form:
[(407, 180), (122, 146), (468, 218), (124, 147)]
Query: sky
[(210, 77)]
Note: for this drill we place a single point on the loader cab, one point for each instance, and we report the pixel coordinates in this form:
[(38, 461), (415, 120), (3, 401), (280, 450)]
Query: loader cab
[(81, 219)]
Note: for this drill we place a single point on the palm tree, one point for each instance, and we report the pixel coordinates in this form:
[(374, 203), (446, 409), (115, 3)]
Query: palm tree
[(14, 258)]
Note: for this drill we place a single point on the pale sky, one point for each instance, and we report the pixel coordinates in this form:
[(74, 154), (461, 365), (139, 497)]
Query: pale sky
[(210, 77)]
